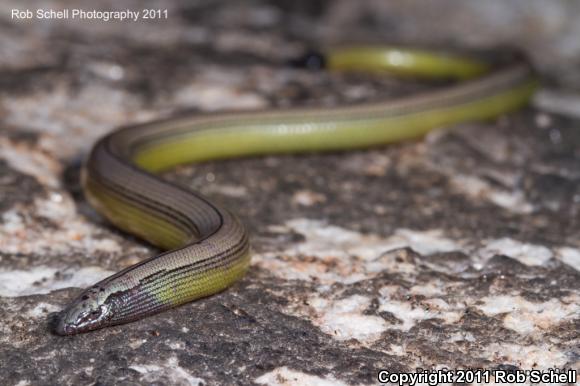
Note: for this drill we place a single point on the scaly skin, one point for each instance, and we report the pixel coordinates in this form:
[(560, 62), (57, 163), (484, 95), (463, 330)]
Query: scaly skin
[(207, 246)]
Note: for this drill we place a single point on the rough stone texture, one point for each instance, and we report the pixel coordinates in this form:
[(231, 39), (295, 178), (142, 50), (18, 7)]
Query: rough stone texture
[(459, 250)]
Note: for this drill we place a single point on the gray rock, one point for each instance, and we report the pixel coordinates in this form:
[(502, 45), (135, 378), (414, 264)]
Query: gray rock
[(458, 250)]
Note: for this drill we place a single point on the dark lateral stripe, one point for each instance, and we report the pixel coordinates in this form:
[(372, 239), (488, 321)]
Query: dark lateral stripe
[(133, 198), (106, 146), (234, 250), (145, 300), (162, 276), (206, 265)]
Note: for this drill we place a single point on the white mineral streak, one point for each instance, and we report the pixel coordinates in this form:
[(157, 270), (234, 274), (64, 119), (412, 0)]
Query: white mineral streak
[(307, 198), (352, 255), (227, 190), (42, 280), (21, 230), (527, 317), (31, 161), (344, 318), (168, 372), (67, 232), (558, 102), (41, 310), (81, 118), (283, 376), (541, 356), (570, 256), (409, 314), (477, 189), (528, 254), (216, 89), (412, 313), (21, 233)]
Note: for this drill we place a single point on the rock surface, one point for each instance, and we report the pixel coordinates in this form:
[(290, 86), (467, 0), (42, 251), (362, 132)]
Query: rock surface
[(459, 250)]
